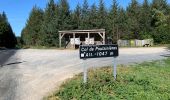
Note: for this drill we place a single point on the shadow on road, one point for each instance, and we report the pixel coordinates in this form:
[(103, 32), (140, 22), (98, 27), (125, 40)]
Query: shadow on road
[(5, 55), (8, 76)]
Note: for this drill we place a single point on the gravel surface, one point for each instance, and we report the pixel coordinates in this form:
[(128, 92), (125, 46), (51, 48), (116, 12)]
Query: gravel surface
[(31, 74)]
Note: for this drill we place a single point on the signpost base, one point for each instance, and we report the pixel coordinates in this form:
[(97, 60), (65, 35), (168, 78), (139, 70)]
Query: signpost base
[(114, 68), (84, 71)]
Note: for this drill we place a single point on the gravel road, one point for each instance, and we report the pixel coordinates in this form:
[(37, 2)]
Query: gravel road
[(31, 74)]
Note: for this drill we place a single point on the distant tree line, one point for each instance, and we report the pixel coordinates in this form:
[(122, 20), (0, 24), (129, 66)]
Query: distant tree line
[(7, 36), (137, 21)]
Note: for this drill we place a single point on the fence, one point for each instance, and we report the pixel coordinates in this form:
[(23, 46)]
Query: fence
[(135, 43)]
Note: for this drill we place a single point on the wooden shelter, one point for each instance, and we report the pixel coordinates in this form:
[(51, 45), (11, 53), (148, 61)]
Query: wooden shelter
[(87, 37)]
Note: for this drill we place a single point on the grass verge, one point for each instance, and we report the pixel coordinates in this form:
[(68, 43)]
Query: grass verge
[(145, 81)]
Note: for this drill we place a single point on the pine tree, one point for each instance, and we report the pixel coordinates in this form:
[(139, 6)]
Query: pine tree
[(113, 21), (33, 27), (93, 21), (76, 17), (50, 25), (64, 16), (7, 37), (133, 12), (169, 9), (85, 16), (145, 20), (160, 5), (25, 37), (101, 15), (122, 24)]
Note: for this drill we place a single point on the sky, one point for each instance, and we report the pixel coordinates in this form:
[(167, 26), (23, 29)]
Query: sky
[(18, 11)]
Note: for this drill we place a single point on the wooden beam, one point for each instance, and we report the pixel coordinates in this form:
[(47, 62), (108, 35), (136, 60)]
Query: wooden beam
[(88, 38), (104, 37), (74, 41), (100, 35), (81, 32), (84, 31), (62, 35), (60, 40)]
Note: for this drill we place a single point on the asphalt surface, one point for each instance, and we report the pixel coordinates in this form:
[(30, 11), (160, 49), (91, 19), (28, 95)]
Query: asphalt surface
[(31, 74)]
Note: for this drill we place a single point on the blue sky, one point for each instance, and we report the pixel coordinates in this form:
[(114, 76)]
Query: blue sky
[(18, 10)]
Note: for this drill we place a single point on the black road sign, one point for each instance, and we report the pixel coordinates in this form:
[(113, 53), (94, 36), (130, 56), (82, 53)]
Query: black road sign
[(98, 51)]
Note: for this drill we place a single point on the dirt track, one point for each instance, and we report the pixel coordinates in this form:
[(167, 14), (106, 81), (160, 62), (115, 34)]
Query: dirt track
[(31, 74)]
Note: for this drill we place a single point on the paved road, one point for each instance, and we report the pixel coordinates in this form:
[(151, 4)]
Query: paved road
[(31, 74)]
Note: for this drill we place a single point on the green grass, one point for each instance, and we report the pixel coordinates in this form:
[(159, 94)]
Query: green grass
[(145, 81)]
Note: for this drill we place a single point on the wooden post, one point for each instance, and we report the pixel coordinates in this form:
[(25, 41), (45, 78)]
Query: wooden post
[(74, 40), (60, 40), (84, 71), (88, 38), (114, 68), (103, 37)]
